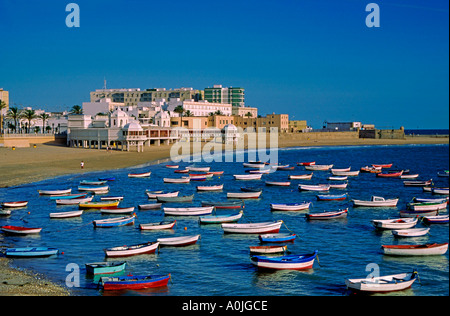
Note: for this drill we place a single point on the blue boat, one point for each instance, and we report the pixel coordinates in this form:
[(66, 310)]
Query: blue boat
[(105, 267), (277, 237), (69, 196), (31, 252), (290, 262), (329, 197), (115, 222)]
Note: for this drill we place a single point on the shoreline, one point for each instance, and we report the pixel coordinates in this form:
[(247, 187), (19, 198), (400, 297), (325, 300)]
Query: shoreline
[(27, 165)]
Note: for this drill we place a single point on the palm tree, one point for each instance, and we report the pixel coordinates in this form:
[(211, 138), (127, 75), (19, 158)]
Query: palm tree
[(14, 113), (218, 112), (180, 110), (44, 116), (188, 113), (2, 106), (76, 109), (29, 115), (248, 114)]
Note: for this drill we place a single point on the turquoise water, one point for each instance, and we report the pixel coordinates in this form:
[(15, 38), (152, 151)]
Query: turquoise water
[(219, 263)]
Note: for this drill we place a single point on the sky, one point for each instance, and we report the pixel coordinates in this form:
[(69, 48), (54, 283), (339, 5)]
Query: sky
[(315, 60)]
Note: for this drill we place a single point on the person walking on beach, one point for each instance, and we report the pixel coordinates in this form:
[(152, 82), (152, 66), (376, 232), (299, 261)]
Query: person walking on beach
[(82, 164)]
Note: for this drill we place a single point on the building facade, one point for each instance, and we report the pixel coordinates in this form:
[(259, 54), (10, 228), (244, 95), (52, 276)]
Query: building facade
[(231, 95)]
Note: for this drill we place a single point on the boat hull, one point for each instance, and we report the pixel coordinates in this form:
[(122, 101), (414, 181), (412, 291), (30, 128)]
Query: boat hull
[(254, 228), (134, 282), (291, 262), (415, 250)]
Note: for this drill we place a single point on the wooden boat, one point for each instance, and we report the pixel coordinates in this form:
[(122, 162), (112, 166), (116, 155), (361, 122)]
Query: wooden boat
[(5, 212), (427, 206), (178, 241), (318, 167), (172, 166), (188, 211), (345, 173), (216, 173), (183, 198), (268, 249), (31, 252), (127, 251), (412, 232), (197, 178), (338, 185), (54, 192), (409, 176), (74, 201), (290, 206), (411, 213), (155, 194), (301, 176), (438, 219), (89, 182), (370, 169), (417, 183), (114, 222), (259, 171), (386, 165), (415, 250), (66, 214), (117, 210), (210, 187), (16, 204), (158, 226), (319, 187), (376, 201), (93, 189), (223, 205), (327, 215), (395, 223), (310, 163), (340, 170), (442, 191), (243, 195), (390, 175), (287, 168), (177, 180), (278, 183), (338, 178), (181, 171), (105, 267), (102, 204), (247, 176), (19, 230), (329, 197), (68, 196), (135, 282), (150, 206), (253, 228), (444, 173), (250, 189), (253, 165), (201, 169), (111, 198), (275, 238), (290, 262), (430, 200), (218, 219), (139, 175), (387, 283)]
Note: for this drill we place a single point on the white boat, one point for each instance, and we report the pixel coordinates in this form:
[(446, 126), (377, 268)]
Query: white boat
[(301, 176), (188, 211), (442, 191), (66, 214), (253, 165), (117, 210), (396, 223), (178, 241), (247, 176), (319, 187), (339, 178), (345, 173), (210, 187), (111, 198), (253, 228), (338, 185), (413, 232), (415, 250), (268, 249), (150, 206), (387, 283), (155, 194), (427, 206), (88, 182), (278, 183), (74, 201), (93, 189), (139, 175), (243, 195), (340, 170), (158, 226), (319, 167), (54, 192), (216, 219), (200, 169), (289, 206), (376, 201), (126, 251), (16, 204), (177, 180), (409, 176), (438, 200)]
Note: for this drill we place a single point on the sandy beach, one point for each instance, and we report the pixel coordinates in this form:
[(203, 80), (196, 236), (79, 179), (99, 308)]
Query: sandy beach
[(26, 165)]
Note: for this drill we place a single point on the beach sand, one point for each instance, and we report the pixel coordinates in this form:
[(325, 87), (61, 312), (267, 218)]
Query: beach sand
[(26, 165)]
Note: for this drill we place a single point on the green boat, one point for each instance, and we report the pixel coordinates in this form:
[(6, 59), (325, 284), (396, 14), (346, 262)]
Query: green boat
[(105, 267), (184, 198)]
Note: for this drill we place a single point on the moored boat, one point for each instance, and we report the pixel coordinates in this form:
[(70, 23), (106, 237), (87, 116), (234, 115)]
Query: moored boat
[(345, 173), (20, 230), (15, 204), (437, 219), (177, 180), (223, 205), (411, 213), (390, 175), (338, 185), (253, 228), (151, 206), (328, 197), (114, 222), (155, 194), (318, 167), (111, 198), (301, 176), (376, 201), (290, 262), (427, 206), (92, 182), (412, 232), (210, 187), (188, 211), (102, 204), (126, 251), (278, 183), (290, 206), (247, 176), (179, 199), (134, 282), (327, 215), (417, 183), (105, 267), (218, 219), (179, 241), (442, 191), (200, 169), (74, 201), (395, 223), (277, 238), (158, 226), (54, 192), (66, 214), (68, 196), (139, 175), (117, 210), (93, 189), (370, 169), (31, 252), (243, 195), (385, 165), (319, 187), (415, 250), (309, 163), (387, 283), (268, 249)]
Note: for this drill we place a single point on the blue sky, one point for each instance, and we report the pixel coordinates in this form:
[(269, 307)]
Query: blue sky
[(312, 59)]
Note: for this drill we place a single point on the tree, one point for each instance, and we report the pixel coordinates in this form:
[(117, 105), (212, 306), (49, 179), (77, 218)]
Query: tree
[(180, 110), (29, 115), (76, 109), (44, 116), (188, 113), (248, 114), (2, 106), (218, 112), (14, 113)]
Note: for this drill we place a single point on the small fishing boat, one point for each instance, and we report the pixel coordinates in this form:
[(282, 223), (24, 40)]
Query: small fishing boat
[(151, 206), (224, 205), (158, 226), (339, 178), (117, 210), (216, 173), (396, 223), (290, 206), (318, 167), (135, 282), (268, 249), (390, 175), (282, 168), (16, 204), (155, 194), (188, 211), (74, 201), (105, 267), (66, 214), (310, 163), (200, 169), (427, 206), (278, 183), (54, 192), (181, 171), (253, 228), (338, 185), (370, 169), (411, 213), (93, 189), (345, 173), (417, 183), (177, 180), (210, 187), (319, 187), (275, 238), (139, 175), (19, 230), (102, 204), (327, 215), (114, 222), (412, 232), (429, 200), (197, 178), (68, 196), (218, 219), (415, 250), (409, 176), (172, 166), (31, 252), (437, 219), (442, 191), (444, 173), (259, 171), (385, 165), (301, 176), (247, 176), (111, 198), (5, 212), (89, 182), (253, 165), (127, 251), (387, 283), (243, 195), (376, 201), (180, 198), (178, 241), (340, 170), (328, 197), (290, 262)]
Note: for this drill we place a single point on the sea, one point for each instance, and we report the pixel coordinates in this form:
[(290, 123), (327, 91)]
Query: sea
[(219, 264)]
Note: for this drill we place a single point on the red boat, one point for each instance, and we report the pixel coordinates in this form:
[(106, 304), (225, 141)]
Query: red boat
[(19, 230), (134, 282), (306, 163), (388, 165), (181, 171), (390, 175)]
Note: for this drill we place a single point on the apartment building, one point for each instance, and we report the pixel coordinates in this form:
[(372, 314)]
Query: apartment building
[(279, 121), (231, 95), (4, 96)]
